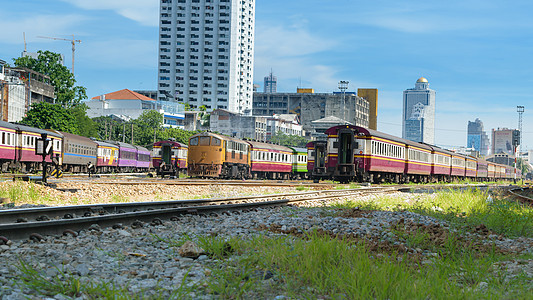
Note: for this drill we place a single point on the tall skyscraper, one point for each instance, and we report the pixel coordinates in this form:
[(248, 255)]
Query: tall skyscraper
[(206, 52), (270, 83), (477, 138), (419, 113)]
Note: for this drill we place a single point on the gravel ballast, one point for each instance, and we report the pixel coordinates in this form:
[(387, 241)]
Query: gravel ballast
[(141, 260)]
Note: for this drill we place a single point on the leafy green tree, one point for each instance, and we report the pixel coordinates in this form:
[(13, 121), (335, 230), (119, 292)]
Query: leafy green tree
[(289, 140), (179, 135), (205, 117), (108, 129), (86, 126), (46, 115), (49, 63), (146, 127)]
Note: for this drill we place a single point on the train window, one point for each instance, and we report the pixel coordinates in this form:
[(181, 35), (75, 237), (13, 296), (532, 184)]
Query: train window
[(3, 138), (216, 142), (194, 141), (204, 140)]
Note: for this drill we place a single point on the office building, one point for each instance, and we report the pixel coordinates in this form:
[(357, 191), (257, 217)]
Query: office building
[(313, 106), (477, 139), (502, 141), (206, 53), (270, 84), (418, 122)]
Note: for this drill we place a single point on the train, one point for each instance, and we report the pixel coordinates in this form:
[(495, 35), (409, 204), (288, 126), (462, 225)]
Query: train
[(212, 155), (354, 153), (70, 152), (169, 158), (349, 154)]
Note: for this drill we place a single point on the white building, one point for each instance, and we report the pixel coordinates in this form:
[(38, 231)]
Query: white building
[(127, 104), (206, 53), (237, 125), (418, 122), (286, 123)]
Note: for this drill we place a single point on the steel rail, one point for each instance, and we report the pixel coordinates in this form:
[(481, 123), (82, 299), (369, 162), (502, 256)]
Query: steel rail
[(20, 223), (105, 215), (515, 192)]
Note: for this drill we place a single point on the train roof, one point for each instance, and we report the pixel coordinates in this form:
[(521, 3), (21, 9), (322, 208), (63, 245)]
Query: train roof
[(121, 144), (371, 132), (298, 149), (105, 144), (73, 136), (313, 143), (173, 143), (141, 148), (29, 129), (219, 136), (262, 145)]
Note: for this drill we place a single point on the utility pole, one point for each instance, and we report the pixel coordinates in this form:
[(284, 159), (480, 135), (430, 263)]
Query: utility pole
[(520, 110)]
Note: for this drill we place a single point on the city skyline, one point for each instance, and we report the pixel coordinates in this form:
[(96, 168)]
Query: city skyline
[(475, 54)]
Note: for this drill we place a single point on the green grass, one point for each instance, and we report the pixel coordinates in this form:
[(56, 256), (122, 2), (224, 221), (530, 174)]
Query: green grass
[(20, 192), (325, 267), (468, 208), (302, 188), (320, 265)]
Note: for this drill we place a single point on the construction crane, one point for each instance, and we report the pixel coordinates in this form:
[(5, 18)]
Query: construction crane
[(73, 41)]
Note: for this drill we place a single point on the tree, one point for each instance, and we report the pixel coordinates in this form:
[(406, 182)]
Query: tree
[(46, 115), (86, 126), (146, 127), (179, 135), (205, 117), (289, 140), (49, 63)]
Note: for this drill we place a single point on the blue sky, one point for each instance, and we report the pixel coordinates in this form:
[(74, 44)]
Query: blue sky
[(476, 54)]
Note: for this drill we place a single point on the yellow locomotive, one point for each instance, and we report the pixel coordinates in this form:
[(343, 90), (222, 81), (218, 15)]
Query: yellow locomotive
[(213, 155)]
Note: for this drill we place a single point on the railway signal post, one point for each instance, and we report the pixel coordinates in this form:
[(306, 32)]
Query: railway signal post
[(43, 147)]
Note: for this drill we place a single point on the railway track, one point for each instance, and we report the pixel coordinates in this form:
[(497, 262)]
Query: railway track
[(519, 194), (35, 223)]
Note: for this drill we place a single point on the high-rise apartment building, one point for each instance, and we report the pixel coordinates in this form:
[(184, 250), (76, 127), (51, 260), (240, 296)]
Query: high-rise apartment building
[(206, 52), (270, 84), (477, 138), (418, 123)]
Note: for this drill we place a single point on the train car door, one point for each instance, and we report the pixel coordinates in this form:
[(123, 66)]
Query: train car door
[(320, 155), (345, 164), (166, 153)]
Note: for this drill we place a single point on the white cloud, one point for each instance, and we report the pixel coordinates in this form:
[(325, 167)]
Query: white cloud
[(145, 12), (290, 52), (33, 26)]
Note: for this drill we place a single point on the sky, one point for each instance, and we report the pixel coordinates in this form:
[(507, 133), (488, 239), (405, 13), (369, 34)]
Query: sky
[(476, 54)]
